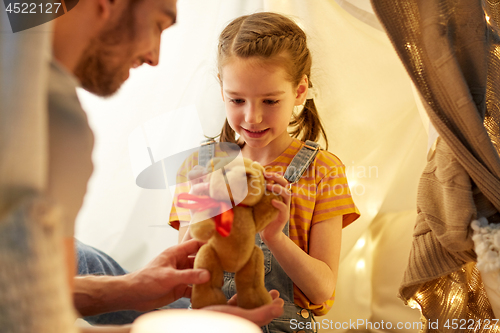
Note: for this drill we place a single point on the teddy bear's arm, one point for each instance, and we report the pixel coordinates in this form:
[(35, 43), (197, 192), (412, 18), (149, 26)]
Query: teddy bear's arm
[(264, 212)]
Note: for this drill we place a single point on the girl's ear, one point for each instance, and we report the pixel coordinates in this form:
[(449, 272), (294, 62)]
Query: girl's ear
[(221, 91), (301, 92)]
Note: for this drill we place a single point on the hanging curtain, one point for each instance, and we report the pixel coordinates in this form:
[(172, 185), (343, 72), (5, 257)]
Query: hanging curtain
[(450, 50)]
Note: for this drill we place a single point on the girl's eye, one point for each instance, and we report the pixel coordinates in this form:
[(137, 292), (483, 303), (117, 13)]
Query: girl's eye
[(271, 101), (236, 101)]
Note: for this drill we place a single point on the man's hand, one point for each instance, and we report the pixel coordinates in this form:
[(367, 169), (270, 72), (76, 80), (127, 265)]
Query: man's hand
[(167, 278), (162, 281), (260, 316)]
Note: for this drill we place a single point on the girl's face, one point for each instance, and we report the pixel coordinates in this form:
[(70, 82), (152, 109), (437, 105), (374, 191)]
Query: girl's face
[(259, 101)]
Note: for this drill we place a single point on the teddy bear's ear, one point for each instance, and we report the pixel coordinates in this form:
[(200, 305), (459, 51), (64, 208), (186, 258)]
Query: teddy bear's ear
[(252, 172), (225, 162), (254, 166), (253, 169)]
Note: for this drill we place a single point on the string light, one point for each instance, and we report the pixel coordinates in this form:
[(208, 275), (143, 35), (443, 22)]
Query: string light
[(360, 265), (360, 243), (414, 304)]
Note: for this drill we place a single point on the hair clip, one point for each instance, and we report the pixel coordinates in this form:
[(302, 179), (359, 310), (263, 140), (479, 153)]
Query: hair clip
[(312, 93)]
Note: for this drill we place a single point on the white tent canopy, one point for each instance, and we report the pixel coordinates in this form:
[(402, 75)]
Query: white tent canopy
[(366, 101)]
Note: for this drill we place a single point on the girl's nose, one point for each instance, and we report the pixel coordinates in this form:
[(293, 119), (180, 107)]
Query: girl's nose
[(253, 114)]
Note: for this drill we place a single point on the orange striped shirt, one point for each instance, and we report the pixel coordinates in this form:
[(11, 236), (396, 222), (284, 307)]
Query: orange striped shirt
[(321, 194)]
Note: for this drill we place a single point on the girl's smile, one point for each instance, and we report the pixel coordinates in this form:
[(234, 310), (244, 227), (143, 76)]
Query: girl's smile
[(255, 133)]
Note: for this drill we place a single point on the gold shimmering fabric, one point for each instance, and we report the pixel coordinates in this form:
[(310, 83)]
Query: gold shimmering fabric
[(451, 51), (492, 117), (457, 302)]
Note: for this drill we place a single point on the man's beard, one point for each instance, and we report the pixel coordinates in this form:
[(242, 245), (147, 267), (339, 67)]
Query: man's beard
[(104, 65)]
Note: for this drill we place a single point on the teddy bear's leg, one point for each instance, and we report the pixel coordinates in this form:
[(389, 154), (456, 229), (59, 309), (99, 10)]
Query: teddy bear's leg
[(208, 293), (250, 282)]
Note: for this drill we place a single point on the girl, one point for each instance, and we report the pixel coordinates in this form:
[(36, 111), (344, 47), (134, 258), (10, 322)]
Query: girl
[(264, 71)]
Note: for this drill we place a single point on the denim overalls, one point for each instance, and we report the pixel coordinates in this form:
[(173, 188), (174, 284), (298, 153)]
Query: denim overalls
[(275, 277)]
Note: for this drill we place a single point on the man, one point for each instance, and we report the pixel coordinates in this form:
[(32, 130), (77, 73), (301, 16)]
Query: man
[(99, 41)]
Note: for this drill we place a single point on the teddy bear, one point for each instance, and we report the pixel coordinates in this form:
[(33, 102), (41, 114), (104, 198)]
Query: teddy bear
[(237, 190)]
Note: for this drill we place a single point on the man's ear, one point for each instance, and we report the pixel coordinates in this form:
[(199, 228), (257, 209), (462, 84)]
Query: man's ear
[(301, 91), (104, 8)]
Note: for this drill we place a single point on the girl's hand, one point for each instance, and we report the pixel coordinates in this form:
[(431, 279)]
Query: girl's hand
[(274, 230), (199, 186)]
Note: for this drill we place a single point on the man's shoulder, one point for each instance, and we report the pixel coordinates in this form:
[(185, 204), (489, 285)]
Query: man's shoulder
[(62, 96), (60, 79)]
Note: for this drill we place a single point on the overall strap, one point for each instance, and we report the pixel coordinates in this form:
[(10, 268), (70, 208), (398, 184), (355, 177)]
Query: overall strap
[(301, 161), (206, 152)]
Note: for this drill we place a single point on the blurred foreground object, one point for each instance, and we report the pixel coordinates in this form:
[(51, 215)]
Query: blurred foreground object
[(192, 321)]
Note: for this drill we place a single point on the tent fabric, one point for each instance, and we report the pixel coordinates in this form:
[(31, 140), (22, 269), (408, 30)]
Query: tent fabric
[(449, 51), (365, 99)]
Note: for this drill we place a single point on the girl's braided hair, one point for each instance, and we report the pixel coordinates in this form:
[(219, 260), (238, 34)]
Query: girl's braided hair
[(272, 37)]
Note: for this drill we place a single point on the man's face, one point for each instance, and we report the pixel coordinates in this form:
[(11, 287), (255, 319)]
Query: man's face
[(130, 38)]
